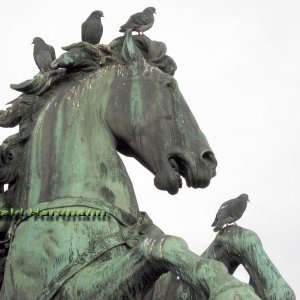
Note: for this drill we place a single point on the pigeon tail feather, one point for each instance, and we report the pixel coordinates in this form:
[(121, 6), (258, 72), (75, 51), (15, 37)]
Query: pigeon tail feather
[(215, 222)]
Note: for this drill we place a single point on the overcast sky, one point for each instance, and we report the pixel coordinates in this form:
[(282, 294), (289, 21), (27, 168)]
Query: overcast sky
[(238, 69)]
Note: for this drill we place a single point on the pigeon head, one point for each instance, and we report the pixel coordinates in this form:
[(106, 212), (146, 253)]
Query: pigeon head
[(37, 40), (244, 197), (97, 14), (151, 10)]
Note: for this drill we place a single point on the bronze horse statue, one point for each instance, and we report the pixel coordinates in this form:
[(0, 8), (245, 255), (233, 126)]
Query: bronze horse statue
[(73, 120)]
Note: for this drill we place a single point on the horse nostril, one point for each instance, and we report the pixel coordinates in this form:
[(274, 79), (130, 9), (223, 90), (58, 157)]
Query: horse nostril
[(209, 158)]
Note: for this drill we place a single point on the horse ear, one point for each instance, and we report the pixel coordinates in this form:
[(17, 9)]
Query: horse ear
[(130, 51)]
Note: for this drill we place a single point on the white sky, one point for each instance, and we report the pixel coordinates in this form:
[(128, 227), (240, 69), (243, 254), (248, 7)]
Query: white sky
[(238, 68)]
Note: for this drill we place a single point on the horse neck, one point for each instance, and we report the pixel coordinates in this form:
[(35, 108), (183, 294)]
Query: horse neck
[(72, 153)]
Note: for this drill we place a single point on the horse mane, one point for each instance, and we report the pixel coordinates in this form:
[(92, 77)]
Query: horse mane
[(80, 57)]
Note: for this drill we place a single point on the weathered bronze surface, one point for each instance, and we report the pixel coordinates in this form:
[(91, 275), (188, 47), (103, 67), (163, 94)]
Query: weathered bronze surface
[(72, 120)]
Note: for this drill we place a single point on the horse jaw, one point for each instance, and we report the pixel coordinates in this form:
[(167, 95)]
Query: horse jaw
[(168, 178), (196, 172)]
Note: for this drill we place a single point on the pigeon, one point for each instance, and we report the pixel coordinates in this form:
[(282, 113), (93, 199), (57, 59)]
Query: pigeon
[(141, 21), (43, 54), (92, 29), (230, 211)]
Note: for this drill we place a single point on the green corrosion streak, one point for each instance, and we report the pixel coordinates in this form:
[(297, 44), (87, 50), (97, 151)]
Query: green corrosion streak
[(136, 106)]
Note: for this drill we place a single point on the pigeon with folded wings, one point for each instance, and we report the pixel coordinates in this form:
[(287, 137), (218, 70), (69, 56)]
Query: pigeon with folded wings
[(230, 211), (141, 21), (43, 54), (92, 29)]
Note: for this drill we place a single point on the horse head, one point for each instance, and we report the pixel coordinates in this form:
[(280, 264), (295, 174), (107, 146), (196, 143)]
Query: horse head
[(152, 123)]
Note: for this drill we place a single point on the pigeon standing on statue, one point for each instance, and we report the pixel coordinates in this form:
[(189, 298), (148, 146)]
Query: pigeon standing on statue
[(43, 54), (92, 29), (230, 211), (140, 22)]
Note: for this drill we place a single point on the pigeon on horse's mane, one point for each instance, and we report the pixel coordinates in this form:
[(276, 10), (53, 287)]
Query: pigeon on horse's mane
[(92, 29), (141, 21), (43, 54), (230, 211)]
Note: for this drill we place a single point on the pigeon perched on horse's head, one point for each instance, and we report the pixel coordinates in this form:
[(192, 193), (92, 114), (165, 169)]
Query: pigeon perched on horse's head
[(230, 211), (141, 21), (92, 29), (43, 54)]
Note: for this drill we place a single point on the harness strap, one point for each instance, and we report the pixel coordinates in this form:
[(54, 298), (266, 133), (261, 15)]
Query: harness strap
[(122, 216)]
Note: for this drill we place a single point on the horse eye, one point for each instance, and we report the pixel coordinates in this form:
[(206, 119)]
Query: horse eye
[(169, 85)]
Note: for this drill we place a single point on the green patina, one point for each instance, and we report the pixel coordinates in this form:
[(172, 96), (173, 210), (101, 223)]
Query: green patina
[(136, 107), (72, 121)]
